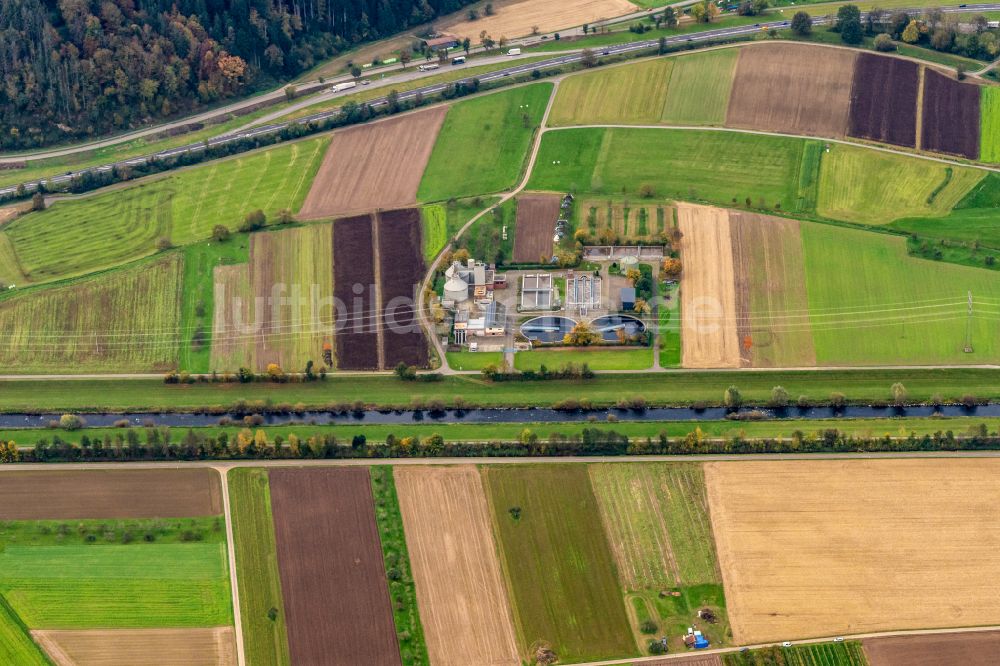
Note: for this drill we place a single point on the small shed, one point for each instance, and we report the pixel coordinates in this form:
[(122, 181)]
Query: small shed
[(628, 298)]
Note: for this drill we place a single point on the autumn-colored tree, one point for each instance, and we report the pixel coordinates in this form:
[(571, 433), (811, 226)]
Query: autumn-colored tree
[(633, 275), (671, 267), (582, 335)]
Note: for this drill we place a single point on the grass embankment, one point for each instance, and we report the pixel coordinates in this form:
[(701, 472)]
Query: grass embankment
[(116, 574), (265, 636), (680, 388), (402, 589), (16, 645), (475, 432), (104, 230), (484, 143), (596, 359), (555, 556)]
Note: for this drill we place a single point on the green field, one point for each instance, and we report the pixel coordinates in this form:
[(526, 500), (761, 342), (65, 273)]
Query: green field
[(91, 574), (16, 645), (873, 187), (402, 589), (718, 167), (120, 321), (265, 639), (848, 653), (872, 304), (473, 360), (699, 89), (103, 230), (560, 571), (630, 94), (681, 388), (975, 220), (596, 359), (442, 221), (989, 138), (656, 517), (484, 143)]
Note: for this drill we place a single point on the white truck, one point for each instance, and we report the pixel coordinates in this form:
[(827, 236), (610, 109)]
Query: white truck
[(514, 52), (341, 87)]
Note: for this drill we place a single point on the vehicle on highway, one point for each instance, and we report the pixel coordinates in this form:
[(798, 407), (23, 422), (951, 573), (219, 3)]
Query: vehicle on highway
[(514, 52), (429, 67), (341, 87), (458, 60)]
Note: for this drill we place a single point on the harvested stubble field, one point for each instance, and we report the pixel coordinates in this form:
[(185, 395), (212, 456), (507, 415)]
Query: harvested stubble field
[(140, 647), (536, 224), (793, 88), (560, 572), (104, 230), (708, 290), (973, 648), (950, 115), (357, 343), (332, 574), (518, 18), (77, 494), (884, 100), (460, 588), (630, 94), (121, 321), (374, 166), (700, 87), (401, 269), (794, 568)]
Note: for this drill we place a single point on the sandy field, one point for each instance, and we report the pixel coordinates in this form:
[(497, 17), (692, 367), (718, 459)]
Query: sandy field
[(708, 292), (460, 590), (104, 493), (536, 224), (820, 548), (139, 647), (970, 648), (374, 166), (518, 17), (792, 88)]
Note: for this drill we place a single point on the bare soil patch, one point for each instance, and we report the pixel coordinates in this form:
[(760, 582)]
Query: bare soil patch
[(106, 493), (819, 548), (401, 264), (460, 589), (518, 18), (354, 288), (536, 224), (950, 115), (793, 88), (971, 648), (139, 647), (374, 166), (708, 291), (333, 581), (884, 100)]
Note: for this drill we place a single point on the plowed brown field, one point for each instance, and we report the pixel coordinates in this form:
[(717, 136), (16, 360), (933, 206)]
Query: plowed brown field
[(818, 548), (517, 18), (460, 589), (374, 166), (333, 581), (950, 115), (125, 493), (884, 99), (972, 648), (139, 647), (794, 88), (354, 288), (708, 292), (401, 268), (536, 224)]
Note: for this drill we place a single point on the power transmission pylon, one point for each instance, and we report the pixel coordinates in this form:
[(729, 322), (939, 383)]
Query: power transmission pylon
[(968, 328)]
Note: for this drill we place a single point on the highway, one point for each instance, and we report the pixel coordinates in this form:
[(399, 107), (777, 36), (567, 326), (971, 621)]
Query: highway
[(515, 69)]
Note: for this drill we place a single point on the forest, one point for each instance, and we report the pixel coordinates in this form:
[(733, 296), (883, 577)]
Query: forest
[(73, 69)]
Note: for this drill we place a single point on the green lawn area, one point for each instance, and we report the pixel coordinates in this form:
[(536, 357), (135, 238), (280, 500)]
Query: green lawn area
[(198, 305), (120, 321), (848, 653), (657, 520), (464, 360), (872, 304), (622, 35), (699, 88), (441, 221), (103, 230), (629, 94), (718, 167), (597, 359), (16, 645), (56, 579), (265, 639), (873, 187), (483, 144), (989, 138), (82, 395), (974, 220), (560, 571), (669, 320), (402, 589)]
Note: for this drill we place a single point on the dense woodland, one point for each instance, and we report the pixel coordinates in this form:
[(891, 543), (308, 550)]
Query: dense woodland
[(76, 68)]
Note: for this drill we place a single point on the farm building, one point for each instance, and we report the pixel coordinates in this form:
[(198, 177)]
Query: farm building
[(444, 41)]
